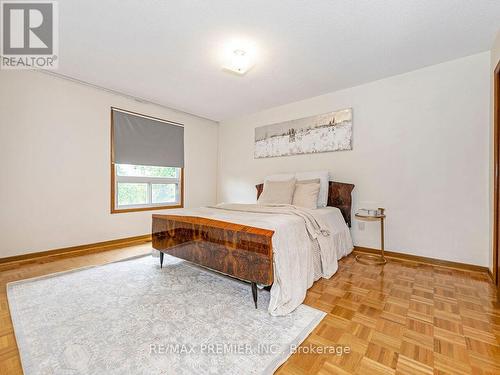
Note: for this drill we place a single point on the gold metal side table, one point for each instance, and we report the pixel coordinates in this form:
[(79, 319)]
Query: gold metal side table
[(370, 259)]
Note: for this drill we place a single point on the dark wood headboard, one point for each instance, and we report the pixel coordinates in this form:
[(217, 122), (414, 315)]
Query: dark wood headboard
[(339, 195)]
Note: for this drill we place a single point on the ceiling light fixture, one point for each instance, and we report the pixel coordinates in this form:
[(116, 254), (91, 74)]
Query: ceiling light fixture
[(239, 56), (239, 62)]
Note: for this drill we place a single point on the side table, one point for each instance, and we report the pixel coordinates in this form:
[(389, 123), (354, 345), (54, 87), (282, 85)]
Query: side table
[(370, 259)]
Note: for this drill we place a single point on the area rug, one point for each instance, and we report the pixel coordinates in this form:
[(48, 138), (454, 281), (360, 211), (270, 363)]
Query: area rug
[(131, 317)]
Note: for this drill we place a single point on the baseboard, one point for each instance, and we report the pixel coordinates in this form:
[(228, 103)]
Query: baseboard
[(50, 255), (67, 252), (490, 274), (425, 260)]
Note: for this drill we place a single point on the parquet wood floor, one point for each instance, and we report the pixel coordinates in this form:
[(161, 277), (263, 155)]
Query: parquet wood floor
[(401, 318)]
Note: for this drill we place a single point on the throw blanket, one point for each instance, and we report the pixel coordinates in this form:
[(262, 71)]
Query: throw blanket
[(296, 230), (313, 227), (291, 250)]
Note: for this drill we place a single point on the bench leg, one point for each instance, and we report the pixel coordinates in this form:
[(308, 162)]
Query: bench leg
[(254, 293), (161, 259)]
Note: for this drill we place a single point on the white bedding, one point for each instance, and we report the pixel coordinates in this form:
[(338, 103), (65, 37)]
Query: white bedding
[(338, 227), (296, 254)]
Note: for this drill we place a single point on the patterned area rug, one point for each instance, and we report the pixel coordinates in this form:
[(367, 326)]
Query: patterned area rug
[(131, 317)]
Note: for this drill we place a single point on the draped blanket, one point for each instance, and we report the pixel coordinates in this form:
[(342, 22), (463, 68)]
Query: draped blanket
[(297, 232), (312, 225)]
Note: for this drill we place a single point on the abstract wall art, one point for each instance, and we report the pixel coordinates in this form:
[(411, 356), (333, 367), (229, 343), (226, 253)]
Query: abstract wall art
[(321, 133)]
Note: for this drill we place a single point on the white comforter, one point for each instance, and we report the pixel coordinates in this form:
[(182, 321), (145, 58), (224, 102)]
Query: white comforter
[(294, 245)]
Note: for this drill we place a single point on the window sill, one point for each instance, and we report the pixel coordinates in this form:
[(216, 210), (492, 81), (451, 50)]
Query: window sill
[(137, 209)]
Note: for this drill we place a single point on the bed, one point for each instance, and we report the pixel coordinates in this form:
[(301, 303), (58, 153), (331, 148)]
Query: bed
[(286, 248)]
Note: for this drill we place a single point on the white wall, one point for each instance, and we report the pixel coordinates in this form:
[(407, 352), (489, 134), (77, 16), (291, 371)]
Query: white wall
[(495, 52), (55, 151), (495, 58), (421, 144)]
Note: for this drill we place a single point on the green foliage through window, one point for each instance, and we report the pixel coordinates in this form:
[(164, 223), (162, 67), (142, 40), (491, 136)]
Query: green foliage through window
[(132, 193), (163, 193), (146, 171), (140, 185)]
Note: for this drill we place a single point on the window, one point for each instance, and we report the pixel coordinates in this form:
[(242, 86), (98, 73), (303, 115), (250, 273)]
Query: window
[(137, 139), (140, 186)]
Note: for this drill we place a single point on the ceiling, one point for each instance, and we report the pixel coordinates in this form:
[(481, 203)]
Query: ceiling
[(168, 51)]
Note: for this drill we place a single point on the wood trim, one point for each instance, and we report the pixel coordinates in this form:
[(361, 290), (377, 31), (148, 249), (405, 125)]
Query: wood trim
[(496, 171), (66, 252), (112, 165), (139, 209), (423, 260), (115, 210), (123, 210)]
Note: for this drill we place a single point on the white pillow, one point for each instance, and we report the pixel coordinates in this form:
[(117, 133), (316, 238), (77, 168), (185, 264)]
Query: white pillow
[(324, 177), (306, 195), (280, 177), (277, 192), (311, 181)]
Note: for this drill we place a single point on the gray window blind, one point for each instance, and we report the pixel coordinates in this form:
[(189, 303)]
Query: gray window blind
[(146, 141)]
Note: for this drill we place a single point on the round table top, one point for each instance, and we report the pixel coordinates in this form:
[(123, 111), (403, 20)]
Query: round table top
[(362, 216)]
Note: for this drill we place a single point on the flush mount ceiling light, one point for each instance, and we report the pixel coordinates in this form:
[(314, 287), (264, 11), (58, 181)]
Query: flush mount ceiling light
[(239, 62), (239, 57)]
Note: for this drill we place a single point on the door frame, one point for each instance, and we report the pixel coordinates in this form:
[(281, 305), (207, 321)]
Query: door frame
[(496, 178)]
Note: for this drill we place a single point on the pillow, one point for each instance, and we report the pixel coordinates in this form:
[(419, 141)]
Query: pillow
[(312, 181), (279, 177), (324, 177), (306, 195), (277, 192)]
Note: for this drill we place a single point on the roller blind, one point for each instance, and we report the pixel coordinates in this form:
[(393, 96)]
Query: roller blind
[(142, 140)]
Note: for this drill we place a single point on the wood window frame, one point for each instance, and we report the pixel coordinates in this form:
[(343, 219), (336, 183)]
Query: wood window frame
[(113, 207), (496, 172)]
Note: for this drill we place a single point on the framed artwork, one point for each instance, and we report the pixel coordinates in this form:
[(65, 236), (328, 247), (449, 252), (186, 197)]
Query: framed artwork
[(321, 133)]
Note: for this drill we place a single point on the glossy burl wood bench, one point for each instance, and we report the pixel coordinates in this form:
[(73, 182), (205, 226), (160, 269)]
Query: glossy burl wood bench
[(240, 251)]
